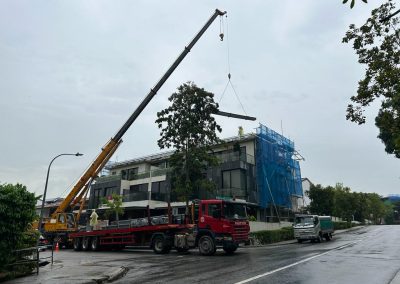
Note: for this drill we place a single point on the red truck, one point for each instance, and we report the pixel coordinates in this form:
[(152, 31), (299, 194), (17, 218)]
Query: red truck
[(215, 224)]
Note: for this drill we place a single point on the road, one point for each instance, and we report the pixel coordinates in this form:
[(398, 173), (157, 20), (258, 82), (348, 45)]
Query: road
[(367, 255)]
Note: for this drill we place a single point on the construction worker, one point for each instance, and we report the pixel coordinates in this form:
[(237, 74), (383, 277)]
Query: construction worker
[(93, 218)]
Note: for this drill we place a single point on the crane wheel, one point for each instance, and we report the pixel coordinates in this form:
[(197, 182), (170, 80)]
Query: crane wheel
[(95, 244), (77, 244), (86, 243)]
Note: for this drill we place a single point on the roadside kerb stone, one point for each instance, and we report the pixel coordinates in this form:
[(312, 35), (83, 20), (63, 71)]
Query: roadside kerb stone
[(117, 273), (108, 277), (253, 242)]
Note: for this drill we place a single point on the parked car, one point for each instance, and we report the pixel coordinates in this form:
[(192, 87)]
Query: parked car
[(43, 243)]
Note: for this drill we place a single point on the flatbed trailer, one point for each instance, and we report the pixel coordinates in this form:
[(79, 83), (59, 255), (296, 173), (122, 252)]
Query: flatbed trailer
[(215, 223), (121, 237)]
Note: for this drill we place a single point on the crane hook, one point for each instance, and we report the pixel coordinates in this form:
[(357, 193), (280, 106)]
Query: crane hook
[(221, 36)]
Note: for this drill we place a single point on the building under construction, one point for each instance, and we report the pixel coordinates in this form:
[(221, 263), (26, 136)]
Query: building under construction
[(261, 168)]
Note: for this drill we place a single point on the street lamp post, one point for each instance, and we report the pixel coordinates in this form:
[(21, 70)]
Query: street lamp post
[(45, 187)]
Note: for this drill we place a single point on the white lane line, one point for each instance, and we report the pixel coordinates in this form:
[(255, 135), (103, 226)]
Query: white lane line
[(294, 264)]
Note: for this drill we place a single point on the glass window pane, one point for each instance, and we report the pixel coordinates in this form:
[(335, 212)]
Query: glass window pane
[(235, 179), (226, 179)]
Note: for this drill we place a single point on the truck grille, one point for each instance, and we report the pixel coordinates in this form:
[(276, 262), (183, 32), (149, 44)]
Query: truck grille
[(241, 233)]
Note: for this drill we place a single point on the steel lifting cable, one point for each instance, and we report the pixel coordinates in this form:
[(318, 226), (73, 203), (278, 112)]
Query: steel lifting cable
[(228, 63)]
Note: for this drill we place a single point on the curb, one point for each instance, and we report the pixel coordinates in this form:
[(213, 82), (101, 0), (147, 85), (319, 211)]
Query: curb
[(118, 273), (349, 229), (294, 241), (114, 275)]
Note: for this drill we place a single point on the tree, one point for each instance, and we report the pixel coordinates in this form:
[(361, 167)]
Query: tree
[(377, 208), (353, 2), (187, 126), (114, 206), (17, 212), (322, 199), (377, 44), (361, 206), (344, 203)]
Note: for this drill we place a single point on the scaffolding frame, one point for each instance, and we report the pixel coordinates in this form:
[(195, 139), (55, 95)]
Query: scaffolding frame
[(278, 169)]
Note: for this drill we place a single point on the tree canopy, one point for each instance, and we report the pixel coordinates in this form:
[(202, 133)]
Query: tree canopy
[(352, 2), (17, 212), (188, 126), (339, 201), (377, 44), (114, 206)]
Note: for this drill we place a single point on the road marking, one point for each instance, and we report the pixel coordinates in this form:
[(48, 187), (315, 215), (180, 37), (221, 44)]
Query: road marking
[(294, 264)]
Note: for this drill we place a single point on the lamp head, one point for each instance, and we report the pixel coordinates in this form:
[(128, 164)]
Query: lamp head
[(78, 154)]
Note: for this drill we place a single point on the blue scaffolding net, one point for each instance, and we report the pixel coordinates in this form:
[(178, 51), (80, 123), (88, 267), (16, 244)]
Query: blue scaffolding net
[(278, 171)]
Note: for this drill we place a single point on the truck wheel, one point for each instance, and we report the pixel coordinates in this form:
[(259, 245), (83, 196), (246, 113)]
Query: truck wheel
[(230, 249), (319, 238), (160, 245), (95, 244), (206, 245), (86, 243), (299, 241), (327, 237), (77, 244)]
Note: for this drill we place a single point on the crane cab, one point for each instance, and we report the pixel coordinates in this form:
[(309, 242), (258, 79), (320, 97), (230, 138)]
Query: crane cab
[(60, 222)]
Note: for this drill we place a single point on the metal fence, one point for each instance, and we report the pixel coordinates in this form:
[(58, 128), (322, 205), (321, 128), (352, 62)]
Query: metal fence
[(26, 256)]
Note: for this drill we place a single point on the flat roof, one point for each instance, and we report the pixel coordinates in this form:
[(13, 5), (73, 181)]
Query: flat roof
[(164, 155)]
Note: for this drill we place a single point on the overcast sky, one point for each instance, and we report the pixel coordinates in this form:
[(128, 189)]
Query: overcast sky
[(71, 73)]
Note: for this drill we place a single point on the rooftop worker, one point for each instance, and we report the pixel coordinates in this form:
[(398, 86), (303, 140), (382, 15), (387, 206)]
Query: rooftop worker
[(93, 218)]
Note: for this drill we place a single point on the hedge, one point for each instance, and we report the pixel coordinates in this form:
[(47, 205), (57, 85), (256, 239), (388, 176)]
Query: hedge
[(273, 236), (344, 225)]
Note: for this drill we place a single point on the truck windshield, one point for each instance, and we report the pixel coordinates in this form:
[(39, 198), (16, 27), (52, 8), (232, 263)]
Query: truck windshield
[(235, 211), (304, 220)]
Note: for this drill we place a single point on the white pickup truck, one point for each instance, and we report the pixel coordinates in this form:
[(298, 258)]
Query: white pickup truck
[(312, 227)]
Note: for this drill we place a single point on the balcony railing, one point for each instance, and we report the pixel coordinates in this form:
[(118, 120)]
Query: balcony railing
[(135, 196), (153, 173), (235, 156), (108, 178)]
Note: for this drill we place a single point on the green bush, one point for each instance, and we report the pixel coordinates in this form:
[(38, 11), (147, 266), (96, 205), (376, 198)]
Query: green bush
[(252, 218), (268, 237), (343, 225), (17, 212)]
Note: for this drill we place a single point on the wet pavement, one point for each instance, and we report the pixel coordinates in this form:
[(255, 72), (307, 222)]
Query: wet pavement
[(367, 255)]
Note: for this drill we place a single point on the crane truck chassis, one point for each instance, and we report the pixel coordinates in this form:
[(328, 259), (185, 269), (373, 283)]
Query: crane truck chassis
[(215, 224)]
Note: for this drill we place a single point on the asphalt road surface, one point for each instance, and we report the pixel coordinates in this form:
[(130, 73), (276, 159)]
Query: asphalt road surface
[(367, 255)]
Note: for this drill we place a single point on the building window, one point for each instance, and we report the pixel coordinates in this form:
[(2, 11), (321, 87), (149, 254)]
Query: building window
[(160, 165), (108, 191), (234, 184), (96, 197), (137, 192), (159, 191), (231, 179), (129, 174)]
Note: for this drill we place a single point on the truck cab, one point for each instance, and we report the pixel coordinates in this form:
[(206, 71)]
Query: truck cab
[(220, 223), (312, 227)]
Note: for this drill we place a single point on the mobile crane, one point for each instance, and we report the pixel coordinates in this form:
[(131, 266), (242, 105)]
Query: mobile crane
[(62, 222)]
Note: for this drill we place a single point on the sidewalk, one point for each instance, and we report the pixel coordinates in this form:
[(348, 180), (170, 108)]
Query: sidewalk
[(75, 271)]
